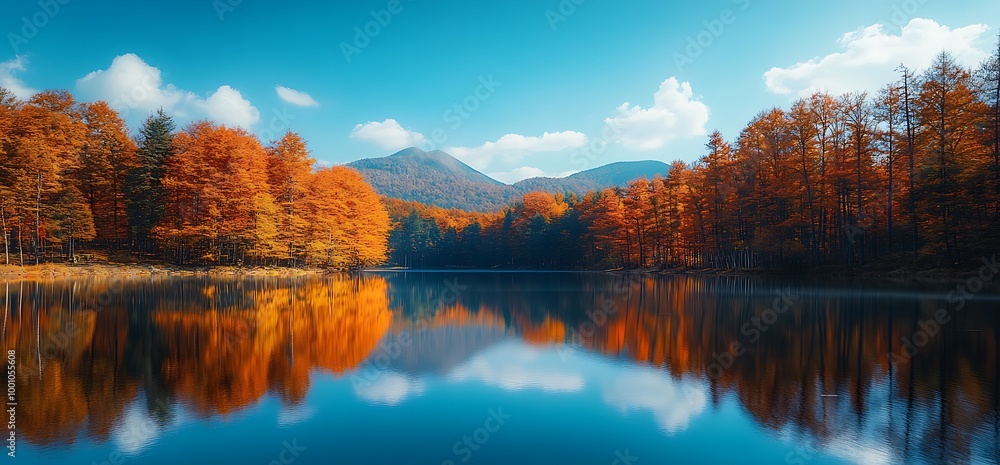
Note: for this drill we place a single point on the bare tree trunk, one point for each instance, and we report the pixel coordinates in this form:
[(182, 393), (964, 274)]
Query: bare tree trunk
[(6, 240), (910, 153), (892, 136), (20, 243), (38, 217)]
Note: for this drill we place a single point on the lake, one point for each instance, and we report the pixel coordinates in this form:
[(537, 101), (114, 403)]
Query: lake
[(445, 368)]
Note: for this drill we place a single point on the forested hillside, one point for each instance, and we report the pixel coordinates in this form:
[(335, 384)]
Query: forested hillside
[(905, 176), (436, 178), (71, 177)]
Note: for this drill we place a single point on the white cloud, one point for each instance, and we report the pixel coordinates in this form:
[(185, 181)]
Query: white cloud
[(295, 97), (675, 114), (513, 147), (526, 172), (131, 84), (870, 56), (387, 134), (7, 79), (227, 106)]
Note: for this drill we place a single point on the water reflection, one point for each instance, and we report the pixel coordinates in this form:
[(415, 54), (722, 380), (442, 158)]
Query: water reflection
[(127, 361)]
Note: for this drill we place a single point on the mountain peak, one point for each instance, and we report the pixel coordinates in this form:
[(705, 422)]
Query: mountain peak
[(409, 152)]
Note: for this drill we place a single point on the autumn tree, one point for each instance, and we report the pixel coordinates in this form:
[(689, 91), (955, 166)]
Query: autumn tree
[(989, 87), (8, 166), (48, 136), (108, 155), (951, 155), (289, 172), (805, 135), (348, 227), (219, 200)]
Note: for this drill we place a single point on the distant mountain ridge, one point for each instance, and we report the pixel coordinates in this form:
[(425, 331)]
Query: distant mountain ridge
[(437, 178)]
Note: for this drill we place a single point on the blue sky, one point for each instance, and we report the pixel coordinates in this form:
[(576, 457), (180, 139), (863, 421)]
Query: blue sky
[(514, 88)]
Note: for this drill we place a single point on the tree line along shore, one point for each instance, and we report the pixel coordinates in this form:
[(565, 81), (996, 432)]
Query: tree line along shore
[(904, 178)]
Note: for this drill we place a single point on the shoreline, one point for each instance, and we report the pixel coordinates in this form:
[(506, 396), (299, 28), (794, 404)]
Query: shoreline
[(930, 275), (56, 270), (106, 269)]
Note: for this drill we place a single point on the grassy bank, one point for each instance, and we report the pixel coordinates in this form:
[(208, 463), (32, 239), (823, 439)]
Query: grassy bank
[(56, 270)]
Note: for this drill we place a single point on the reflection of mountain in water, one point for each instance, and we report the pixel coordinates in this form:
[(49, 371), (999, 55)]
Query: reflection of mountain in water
[(88, 350)]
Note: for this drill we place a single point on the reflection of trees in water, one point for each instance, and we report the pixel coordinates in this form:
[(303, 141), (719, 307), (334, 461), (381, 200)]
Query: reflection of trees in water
[(822, 368), (68, 381), (219, 345), (215, 347)]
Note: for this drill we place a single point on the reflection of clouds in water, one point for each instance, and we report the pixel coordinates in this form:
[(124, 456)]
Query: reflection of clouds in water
[(674, 403), (291, 415), (136, 430), (389, 388), (516, 367), (862, 447), (862, 454)]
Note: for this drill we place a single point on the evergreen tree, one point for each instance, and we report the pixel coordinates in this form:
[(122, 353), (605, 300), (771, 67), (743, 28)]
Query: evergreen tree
[(146, 196)]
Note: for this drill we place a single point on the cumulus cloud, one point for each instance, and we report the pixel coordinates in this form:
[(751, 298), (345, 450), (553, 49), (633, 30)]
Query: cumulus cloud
[(388, 134), (871, 54), (513, 147), (227, 106), (8, 69), (526, 172), (132, 84), (675, 114), (294, 97)]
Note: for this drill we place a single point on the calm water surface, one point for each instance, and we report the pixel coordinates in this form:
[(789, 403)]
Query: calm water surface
[(503, 368)]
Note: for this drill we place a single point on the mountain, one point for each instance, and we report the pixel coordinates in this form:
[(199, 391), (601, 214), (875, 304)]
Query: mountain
[(434, 178), (439, 179), (615, 174)]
